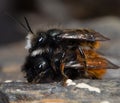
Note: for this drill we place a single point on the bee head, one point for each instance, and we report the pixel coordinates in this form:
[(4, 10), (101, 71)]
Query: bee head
[(37, 69), (41, 38), (34, 41)]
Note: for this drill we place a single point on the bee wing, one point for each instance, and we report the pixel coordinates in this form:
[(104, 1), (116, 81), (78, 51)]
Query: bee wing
[(100, 63), (110, 65), (82, 34), (73, 64), (93, 60), (98, 36)]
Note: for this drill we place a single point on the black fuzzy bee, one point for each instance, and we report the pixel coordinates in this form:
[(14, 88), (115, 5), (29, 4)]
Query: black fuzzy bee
[(57, 54)]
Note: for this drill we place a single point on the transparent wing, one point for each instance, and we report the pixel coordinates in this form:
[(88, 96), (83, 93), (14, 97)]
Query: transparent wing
[(97, 64), (82, 34), (94, 61)]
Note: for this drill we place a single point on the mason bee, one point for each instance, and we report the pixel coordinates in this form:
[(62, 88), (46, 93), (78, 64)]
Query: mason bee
[(59, 54)]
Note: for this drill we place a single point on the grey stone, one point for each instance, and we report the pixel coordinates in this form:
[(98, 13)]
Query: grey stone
[(21, 91)]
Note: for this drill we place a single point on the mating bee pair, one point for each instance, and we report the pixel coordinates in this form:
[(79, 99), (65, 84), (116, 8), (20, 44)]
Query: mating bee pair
[(56, 55)]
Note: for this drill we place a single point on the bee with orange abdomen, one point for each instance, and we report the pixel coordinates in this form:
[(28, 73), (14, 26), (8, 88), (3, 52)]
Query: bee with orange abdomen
[(96, 66), (59, 54)]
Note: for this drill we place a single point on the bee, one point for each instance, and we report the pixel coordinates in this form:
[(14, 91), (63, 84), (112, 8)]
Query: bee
[(59, 54)]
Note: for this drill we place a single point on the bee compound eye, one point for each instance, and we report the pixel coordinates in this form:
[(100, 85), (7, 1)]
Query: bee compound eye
[(43, 65), (41, 37)]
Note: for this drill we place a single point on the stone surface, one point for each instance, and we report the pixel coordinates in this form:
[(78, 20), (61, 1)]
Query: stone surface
[(3, 98), (22, 92)]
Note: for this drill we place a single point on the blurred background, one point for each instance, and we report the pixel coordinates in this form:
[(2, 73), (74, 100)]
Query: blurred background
[(100, 15)]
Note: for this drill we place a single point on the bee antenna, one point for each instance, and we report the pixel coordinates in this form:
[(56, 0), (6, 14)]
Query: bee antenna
[(16, 20), (28, 25)]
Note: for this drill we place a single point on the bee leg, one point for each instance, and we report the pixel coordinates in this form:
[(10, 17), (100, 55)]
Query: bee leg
[(53, 64), (62, 70), (84, 59), (37, 79), (62, 66), (65, 77)]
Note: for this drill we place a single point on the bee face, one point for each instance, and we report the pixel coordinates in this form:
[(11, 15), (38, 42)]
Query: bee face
[(40, 39), (36, 68), (40, 63)]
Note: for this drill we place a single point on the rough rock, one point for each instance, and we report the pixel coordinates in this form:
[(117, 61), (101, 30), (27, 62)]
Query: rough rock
[(22, 92), (3, 98)]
